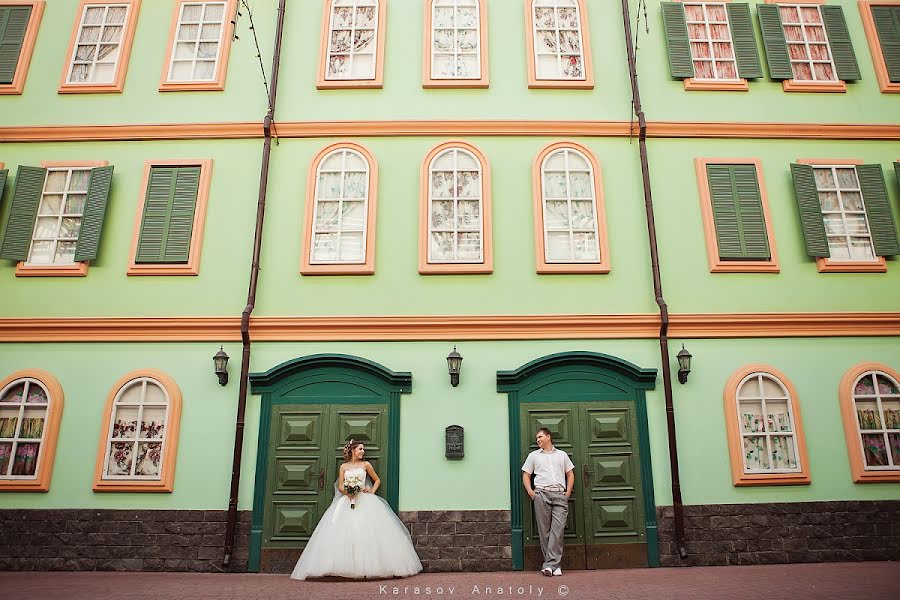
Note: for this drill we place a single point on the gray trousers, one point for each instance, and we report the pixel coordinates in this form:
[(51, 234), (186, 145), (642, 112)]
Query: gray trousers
[(550, 512)]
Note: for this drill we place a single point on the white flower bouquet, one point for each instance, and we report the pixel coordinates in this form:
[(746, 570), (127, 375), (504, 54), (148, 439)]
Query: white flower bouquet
[(353, 485)]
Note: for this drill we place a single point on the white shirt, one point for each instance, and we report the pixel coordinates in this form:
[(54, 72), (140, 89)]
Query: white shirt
[(549, 468)]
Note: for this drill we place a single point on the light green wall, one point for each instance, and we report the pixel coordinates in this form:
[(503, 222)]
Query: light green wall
[(690, 287), (221, 287)]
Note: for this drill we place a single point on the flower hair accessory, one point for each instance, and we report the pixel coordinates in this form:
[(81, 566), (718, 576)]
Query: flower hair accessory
[(348, 448)]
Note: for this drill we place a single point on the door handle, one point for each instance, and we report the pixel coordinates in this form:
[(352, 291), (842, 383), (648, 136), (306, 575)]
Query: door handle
[(322, 479), (586, 475)]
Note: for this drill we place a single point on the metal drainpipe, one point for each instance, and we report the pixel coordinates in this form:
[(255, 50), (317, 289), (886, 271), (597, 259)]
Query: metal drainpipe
[(251, 294), (677, 506)]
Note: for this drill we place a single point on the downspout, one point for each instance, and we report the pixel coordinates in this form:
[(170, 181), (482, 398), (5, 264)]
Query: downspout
[(251, 294), (677, 505)]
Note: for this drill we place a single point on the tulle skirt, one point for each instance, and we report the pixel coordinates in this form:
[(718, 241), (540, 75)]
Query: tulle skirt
[(366, 542)]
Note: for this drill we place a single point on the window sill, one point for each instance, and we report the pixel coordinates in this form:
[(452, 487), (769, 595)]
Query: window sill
[(189, 269), (11, 89), (877, 477), (349, 84), (21, 485), (560, 84), (792, 85), (456, 269), (692, 84), (773, 479), (357, 269), (744, 266), (826, 265), (132, 486), (192, 86), (455, 83), (572, 268), (76, 270), (68, 88)]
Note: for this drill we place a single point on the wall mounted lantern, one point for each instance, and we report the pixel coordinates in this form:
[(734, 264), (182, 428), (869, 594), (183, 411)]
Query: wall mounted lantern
[(684, 364), (454, 361), (220, 360)]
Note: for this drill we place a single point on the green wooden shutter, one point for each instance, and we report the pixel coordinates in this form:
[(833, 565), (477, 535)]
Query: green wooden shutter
[(881, 221), (811, 220), (168, 220), (94, 211), (839, 40), (745, 49), (773, 40), (680, 63), (897, 171), (887, 26), (20, 225), (737, 212), (3, 174), (13, 24)]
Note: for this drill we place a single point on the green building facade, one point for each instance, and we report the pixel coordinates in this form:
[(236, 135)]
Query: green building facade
[(496, 205)]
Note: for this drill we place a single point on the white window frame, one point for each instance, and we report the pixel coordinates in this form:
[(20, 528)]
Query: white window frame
[(710, 42), (760, 400), (560, 72), (124, 26), (56, 239), (340, 200), (475, 5), (883, 430), (15, 440), (843, 214), (352, 53), (137, 440), (568, 199), (455, 230), (807, 43), (194, 60)]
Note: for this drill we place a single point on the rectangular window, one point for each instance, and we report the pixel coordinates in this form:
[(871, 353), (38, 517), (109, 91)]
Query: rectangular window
[(170, 219), (456, 43), (844, 214), (101, 44), (59, 216), (881, 20), (807, 42), (709, 34), (352, 44), (18, 31), (198, 50), (559, 55)]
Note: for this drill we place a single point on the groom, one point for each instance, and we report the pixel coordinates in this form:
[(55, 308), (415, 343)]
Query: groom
[(554, 478)]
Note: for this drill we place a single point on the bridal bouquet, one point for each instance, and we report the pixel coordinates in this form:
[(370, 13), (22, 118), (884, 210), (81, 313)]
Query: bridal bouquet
[(353, 484)]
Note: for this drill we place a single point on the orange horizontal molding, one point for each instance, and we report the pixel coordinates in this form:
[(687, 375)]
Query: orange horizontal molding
[(314, 129), (443, 327)]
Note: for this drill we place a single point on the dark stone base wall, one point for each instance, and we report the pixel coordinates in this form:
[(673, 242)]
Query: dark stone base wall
[(119, 540), (797, 532), (461, 540)]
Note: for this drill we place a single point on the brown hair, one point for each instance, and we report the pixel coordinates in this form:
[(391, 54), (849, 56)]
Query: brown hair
[(545, 431), (349, 447)]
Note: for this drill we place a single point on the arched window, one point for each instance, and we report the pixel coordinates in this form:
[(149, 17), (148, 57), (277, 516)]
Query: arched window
[(30, 411), (340, 212), (870, 406), (455, 233), (140, 434), (352, 44), (570, 226), (765, 435), (456, 43), (559, 55)]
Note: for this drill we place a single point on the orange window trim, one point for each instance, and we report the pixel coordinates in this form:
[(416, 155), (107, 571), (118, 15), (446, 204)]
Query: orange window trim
[(851, 432), (430, 82), (603, 266), (34, 22), (792, 85), (44, 469), (429, 268), (118, 83), (735, 443), (865, 10), (692, 84), (225, 39), (78, 269), (167, 475), (378, 81), (192, 266), (368, 266), (716, 264), (533, 82), (827, 265)]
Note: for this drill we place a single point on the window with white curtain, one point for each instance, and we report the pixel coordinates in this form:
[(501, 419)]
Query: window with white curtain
[(569, 208), (766, 425), (352, 40), (341, 209), (198, 41), (876, 403), (844, 213), (709, 34), (455, 39), (98, 43), (807, 40), (455, 200), (59, 216), (137, 435), (558, 43)]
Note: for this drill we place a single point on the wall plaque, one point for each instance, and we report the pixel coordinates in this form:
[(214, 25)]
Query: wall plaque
[(453, 442)]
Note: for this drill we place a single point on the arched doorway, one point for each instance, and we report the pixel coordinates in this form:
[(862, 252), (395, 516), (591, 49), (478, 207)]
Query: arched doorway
[(595, 407), (310, 407)]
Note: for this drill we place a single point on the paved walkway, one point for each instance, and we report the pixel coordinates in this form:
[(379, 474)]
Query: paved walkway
[(838, 581)]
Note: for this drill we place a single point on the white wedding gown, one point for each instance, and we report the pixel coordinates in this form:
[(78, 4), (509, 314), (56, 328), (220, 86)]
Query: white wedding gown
[(366, 542)]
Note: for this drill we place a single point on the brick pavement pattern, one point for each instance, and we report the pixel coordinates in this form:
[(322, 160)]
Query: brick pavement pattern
[(834, 581)]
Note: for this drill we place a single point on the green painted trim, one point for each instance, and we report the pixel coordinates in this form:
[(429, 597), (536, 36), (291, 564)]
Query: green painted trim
[(638, 378), (261, 383), (259, 485), (644, 379)]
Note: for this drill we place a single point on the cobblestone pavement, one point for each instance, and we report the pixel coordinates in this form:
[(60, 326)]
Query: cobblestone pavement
[(824, 581)]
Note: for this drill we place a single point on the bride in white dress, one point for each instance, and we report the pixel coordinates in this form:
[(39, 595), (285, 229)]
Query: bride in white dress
[(362, 541)]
